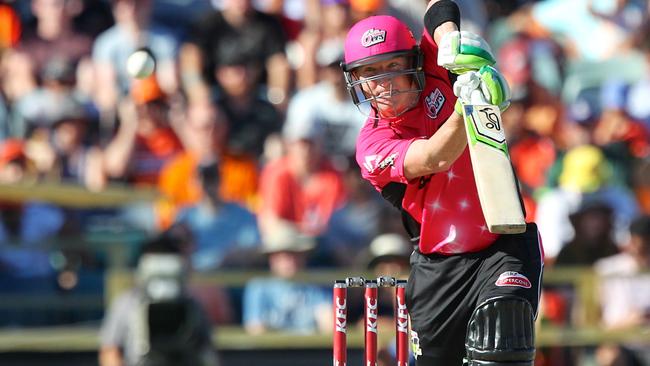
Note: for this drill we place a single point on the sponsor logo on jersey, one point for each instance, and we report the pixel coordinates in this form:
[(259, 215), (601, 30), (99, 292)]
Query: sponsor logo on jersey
[(372, 37), (389, 161), (372, 162), (434, 102), (369, 162), (514, 279)]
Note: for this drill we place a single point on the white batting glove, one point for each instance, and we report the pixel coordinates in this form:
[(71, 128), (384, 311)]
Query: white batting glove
[(463, 51), (468, 90), (486, 86)]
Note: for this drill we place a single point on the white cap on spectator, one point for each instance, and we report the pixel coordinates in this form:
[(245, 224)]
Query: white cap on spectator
[(390, 245), (285, 237)]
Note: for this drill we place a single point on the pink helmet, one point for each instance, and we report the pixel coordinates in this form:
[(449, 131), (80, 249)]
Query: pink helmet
[(380, 38), (375, 36)]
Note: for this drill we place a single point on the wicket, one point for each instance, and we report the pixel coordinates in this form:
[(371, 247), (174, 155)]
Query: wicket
[(370, 318)]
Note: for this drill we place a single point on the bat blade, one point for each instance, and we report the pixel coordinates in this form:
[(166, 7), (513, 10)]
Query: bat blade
[(495, 180)]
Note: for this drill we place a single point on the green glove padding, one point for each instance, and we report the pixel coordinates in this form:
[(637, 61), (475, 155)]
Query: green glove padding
[(494, 87), (460, 52)]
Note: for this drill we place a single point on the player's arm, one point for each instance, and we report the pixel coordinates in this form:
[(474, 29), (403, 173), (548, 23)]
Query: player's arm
[(437, 153)]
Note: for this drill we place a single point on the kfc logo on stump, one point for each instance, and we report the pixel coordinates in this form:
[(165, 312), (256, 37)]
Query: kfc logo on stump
[(515, 279), (372, 37)]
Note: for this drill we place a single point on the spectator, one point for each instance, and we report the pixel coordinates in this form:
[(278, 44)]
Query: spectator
[(144, 141), (624, 292), (204, 132), (237, 26), (532, 150), (593, 225), (132, 30), (316, 45), (281, 303), (24, 228), (585, 172), (301, 187), (54, 36), (222, 229), (624, 140), (58, 81), (60, 126), (157, 322), (251, 117), (328, 103), (17, 81), (625, 289), (533, 66), (352, 226), (59, 143)]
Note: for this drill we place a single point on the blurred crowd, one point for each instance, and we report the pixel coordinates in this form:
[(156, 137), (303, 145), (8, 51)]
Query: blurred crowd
[(247, 133)]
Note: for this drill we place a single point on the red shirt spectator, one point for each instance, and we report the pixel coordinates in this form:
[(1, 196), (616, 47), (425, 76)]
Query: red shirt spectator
[(309, 202), (301, 187)]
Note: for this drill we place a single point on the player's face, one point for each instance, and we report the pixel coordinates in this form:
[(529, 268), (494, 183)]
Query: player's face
[(390, 93)]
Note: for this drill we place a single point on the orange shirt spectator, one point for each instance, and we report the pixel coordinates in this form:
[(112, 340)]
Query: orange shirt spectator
[(10, 27), (180, 184), (204, 130)]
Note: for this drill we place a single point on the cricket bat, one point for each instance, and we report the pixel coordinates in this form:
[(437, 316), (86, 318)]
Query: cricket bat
[(495, 180)]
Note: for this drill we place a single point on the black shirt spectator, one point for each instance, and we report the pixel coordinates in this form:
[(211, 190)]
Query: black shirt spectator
[(260, 36)]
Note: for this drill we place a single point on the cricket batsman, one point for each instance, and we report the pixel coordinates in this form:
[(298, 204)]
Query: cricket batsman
[(472, 295)]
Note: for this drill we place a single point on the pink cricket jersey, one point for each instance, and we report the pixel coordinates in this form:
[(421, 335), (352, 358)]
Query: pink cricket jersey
[(446, 204)]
